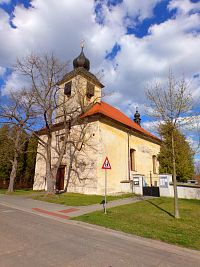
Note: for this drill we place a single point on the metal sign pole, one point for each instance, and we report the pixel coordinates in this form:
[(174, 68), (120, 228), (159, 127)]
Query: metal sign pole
[(105, 190), (106, 165)]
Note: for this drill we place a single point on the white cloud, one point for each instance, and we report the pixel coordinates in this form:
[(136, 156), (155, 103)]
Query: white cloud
[(61, 25), (14, 82), (184, 6), (141, 9), (49, 25), (172, 44), (151, 126), (5, 1), (2, 71)]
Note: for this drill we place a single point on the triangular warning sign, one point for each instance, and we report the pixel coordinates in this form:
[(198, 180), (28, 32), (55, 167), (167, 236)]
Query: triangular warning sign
[(106, 164)]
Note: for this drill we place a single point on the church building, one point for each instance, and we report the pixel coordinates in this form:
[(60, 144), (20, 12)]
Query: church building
[(131, 150)]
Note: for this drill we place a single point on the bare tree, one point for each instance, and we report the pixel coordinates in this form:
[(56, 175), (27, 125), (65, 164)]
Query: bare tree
[(170, 105), (43, 74), (79, 160), (56, 112), (17, 113)]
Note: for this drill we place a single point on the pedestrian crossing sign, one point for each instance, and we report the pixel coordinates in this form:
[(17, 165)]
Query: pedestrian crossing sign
[(106, 164)]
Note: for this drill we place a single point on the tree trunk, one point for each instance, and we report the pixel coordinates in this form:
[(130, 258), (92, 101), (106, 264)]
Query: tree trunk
[(60, 157), (13, 175), (68, 175), (14, 163), (176, 209), (50, 182), (70, 169)]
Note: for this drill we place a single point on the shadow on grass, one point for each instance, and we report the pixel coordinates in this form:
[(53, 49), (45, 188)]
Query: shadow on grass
[(169, 213)]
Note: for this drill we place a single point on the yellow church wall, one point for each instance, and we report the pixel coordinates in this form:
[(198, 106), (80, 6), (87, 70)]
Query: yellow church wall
[(85, 162), (40, 167), (144, 152), (104, 139), (114, 144), (87, 158)]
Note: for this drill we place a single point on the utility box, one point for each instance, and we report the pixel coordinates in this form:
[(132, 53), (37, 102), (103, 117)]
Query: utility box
[(137, 182), (164, 184)]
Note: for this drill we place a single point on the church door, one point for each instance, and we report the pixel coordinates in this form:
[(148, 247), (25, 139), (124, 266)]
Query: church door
[(60, 178)]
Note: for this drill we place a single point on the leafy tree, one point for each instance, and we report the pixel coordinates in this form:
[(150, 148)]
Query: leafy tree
[(31, 153), (18, 113), (6, 152), (183, 154)]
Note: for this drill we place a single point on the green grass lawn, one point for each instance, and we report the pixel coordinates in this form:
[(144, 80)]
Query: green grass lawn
[(3, 191), (154, 219), (75, 199), (21, 192)]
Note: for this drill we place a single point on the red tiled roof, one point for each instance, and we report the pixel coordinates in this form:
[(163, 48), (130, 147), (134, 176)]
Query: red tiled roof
[(115, 114)]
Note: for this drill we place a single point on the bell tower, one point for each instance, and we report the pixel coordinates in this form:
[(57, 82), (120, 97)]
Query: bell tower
[(80, 86)]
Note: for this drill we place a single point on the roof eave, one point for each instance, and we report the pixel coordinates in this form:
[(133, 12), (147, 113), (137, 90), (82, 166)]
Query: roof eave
[(84, 73), (155, 139)]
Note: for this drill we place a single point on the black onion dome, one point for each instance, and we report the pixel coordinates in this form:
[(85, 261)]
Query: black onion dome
[(137, 118), (81, 61)]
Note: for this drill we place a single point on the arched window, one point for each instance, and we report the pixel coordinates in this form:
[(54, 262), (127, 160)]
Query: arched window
[(68, 88), (90, 90), (154, 160), (132, 159)]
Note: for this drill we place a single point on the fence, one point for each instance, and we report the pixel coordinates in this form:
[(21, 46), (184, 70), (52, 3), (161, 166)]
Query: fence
[(187, 191)]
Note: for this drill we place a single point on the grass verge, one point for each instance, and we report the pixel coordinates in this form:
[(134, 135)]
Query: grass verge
[(154, 219), (21, 192), (75, 199)]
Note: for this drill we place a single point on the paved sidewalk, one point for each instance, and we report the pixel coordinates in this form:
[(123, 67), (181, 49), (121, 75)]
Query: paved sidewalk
[(58, 211)]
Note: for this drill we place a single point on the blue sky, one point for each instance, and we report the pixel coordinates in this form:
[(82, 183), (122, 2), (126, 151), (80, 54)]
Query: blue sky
[(161, 14), (131, 43), (9, 6)]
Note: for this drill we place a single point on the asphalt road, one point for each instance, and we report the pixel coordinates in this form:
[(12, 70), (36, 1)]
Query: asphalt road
[(29, 240)]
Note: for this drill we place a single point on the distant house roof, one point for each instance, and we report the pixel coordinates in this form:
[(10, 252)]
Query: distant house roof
[(116, 115)]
